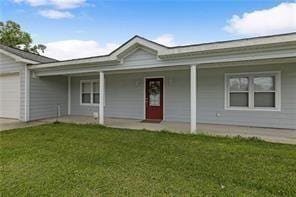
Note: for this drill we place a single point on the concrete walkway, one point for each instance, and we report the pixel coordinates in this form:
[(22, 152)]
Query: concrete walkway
[(7, 124), (267, 134)]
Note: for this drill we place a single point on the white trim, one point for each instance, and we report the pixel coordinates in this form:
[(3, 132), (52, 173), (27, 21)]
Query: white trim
[(253, 43), (138, 42), (257, 62), (159, 69), (102, 98), (223, 60), (27, 94), (140, 47), (253, 109), (104, 60), (251, 75), (69, 95), (268, 43), (113, 57), (193, 87), (163, 96), (91, 81)]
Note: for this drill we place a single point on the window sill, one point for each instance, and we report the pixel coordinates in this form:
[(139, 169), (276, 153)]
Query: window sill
[(252, 109), (89, 104)]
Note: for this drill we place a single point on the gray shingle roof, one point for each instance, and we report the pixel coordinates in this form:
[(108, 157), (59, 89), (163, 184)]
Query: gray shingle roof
[(27, 55)]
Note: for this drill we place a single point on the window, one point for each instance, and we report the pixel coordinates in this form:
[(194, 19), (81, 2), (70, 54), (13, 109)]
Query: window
[(89, 90), (239, 91), (86, 92), (264, 91), (253, 91)]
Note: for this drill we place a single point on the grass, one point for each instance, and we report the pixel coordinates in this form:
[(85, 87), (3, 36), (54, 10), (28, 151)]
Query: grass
[(89, 160)]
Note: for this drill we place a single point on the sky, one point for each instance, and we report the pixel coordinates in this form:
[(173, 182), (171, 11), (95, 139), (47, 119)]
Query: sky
[(83, 28)]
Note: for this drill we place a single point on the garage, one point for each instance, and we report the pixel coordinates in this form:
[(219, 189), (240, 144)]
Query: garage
[(10, 96)]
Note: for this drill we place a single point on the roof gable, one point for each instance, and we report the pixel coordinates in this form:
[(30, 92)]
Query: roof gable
[(140, 56), (137, 42)]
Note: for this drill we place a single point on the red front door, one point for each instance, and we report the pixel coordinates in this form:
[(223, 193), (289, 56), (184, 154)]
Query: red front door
[(154, 98)]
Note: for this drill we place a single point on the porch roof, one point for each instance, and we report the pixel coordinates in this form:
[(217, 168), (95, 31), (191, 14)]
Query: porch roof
[(275, 47)]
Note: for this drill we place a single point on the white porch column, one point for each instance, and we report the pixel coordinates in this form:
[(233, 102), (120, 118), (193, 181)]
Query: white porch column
[(193, 98), (102, 97), (69, 95), (27, 94)]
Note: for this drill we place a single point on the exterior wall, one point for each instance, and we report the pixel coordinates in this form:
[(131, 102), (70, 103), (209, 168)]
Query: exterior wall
[(140, 58), (210, 98), (9, 65), (76, 108), (45, 94), (125, 95)]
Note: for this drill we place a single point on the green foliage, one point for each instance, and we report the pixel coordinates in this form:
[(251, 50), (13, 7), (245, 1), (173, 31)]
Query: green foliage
[(12, 35), (92, 160)]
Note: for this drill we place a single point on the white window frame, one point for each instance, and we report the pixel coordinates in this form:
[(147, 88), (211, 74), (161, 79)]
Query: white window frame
[(251, 91), (92, 81)]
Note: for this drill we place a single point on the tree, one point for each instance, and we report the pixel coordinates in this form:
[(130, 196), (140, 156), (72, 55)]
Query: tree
[(12, 35)]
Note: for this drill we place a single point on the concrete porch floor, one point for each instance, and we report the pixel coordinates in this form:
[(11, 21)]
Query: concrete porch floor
[(267, 134)]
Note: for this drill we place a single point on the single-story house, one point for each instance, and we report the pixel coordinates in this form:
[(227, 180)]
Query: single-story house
[(246, 82)]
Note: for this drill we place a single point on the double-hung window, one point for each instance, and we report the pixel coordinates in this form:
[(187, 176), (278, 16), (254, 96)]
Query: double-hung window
[(89, 92), (253, 91)]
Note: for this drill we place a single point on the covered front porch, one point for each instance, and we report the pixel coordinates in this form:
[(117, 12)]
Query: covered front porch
[(120, 94), (153, 95), (193, 86)]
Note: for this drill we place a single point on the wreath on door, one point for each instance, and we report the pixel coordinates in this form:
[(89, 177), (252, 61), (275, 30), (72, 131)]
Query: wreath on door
[(154, 88)]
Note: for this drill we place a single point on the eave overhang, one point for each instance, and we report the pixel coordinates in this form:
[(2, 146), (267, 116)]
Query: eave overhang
[(270, 47)]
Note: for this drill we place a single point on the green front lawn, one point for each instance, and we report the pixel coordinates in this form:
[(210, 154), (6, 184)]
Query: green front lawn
[(89, 160)]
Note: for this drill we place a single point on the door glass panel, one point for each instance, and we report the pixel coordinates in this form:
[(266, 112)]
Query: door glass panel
[(154, 93)]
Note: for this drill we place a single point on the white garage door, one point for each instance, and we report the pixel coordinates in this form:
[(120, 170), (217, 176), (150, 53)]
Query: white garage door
[(10, 96)]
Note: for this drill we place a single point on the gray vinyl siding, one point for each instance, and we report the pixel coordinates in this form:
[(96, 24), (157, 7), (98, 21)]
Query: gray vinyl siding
[(210, 98), (76, 108), (125, 95), (9, 65), (140, 58), (45, 94)]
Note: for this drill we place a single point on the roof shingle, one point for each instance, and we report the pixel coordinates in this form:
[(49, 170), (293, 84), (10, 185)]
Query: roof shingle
[(27, 55)]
